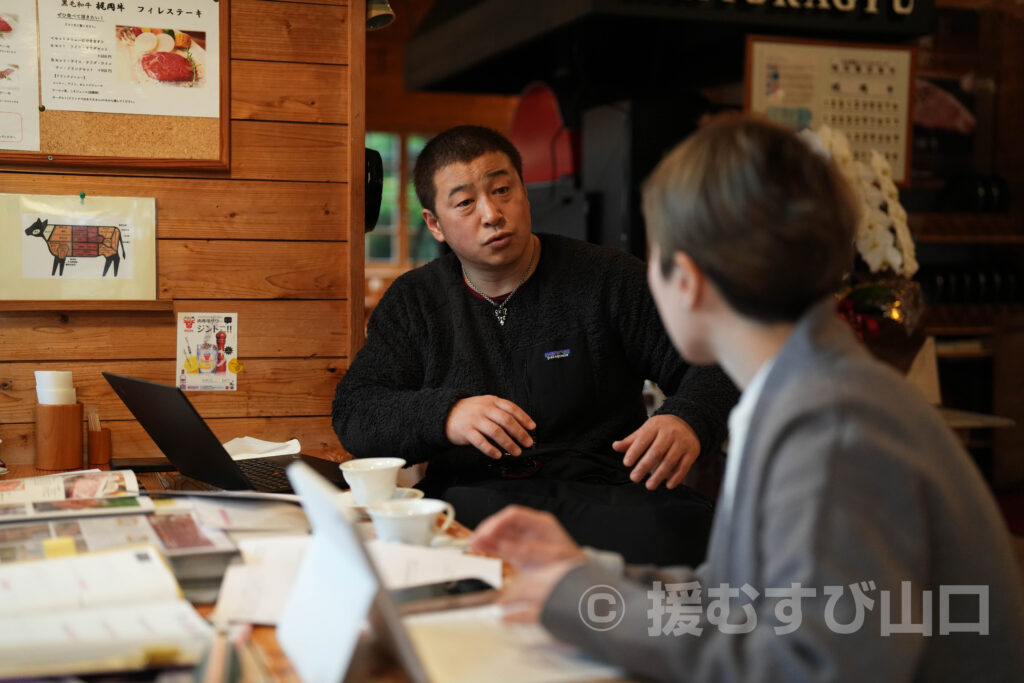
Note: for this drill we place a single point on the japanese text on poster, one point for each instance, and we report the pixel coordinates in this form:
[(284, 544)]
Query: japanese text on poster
[(207, 352), (131, 57), (19, 76), (862, 91)]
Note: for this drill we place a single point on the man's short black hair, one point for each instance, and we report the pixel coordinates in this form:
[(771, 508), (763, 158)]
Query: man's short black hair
[(460, 144)]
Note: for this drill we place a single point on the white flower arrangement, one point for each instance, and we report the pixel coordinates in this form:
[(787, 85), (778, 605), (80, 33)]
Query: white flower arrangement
[(884, 241)]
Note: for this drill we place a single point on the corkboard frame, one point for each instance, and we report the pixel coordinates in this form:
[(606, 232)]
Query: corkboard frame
[(828, 46), (69, 137)]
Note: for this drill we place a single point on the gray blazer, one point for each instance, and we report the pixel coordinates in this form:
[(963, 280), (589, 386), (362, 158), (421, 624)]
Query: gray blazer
[(847, 476)]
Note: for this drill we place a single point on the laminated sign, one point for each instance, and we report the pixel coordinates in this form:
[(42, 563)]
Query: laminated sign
[(207, 352)]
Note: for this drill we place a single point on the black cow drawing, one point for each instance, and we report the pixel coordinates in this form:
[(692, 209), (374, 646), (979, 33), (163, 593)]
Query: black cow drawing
[(83, 241)]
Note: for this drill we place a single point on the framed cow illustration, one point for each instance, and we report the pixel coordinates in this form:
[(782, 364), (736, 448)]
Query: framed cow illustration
[(77, 247)]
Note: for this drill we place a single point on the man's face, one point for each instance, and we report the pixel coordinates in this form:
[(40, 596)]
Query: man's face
[(481, 211)]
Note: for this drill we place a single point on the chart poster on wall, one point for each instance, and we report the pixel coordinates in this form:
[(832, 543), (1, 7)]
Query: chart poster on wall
[(77, 247), (862, 90), (207, 352), (131, 57), (19, 76)]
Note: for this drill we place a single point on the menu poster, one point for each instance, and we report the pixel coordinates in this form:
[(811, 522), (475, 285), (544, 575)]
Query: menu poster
[(131, 58), (19, 76), (207, 352), (864, 91)]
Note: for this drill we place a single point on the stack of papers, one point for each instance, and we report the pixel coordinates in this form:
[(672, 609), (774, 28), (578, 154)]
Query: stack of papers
[(104, 611), (256, 592)]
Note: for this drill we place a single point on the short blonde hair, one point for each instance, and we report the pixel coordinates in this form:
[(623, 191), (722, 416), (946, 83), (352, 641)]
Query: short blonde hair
[(770, 221)]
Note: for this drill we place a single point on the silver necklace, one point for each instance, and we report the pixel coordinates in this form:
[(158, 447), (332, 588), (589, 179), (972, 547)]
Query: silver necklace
[(500, 311)]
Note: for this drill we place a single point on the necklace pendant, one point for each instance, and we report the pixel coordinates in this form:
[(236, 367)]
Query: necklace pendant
[(499, 313)]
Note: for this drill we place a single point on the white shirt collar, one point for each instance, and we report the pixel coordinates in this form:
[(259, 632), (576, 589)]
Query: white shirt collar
[(739, 422)]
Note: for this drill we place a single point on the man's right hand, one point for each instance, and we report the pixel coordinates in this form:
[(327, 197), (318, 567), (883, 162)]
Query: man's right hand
[(480, 420)]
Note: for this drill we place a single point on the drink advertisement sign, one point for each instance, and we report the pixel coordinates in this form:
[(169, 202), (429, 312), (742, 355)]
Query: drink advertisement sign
[(207, 352)]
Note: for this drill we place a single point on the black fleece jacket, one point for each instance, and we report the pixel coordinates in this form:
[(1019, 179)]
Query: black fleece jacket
[(581, 336)]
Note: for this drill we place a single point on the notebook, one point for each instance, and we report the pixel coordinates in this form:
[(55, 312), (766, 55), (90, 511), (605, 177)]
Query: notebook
[(184, 437), (338, 587)]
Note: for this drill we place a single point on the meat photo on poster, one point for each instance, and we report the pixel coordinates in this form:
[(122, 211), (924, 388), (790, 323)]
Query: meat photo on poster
[(162, 57), (8, 22)]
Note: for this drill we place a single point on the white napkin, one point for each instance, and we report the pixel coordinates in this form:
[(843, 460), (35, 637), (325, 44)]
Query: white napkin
[(245, 447)]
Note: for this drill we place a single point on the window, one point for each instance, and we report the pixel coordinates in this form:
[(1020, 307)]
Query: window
[(401, 240)]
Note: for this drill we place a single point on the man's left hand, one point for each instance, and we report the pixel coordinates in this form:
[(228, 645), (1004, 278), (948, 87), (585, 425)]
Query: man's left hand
[(665, 446)]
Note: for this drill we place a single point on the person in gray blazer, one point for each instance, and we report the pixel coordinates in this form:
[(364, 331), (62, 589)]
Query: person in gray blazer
[(854, 538)]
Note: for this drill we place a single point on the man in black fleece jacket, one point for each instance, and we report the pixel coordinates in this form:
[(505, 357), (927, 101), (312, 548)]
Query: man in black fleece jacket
[(515, 366)]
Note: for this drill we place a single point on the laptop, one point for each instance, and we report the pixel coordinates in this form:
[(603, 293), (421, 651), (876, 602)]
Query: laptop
[(184, 437), (338, 588)]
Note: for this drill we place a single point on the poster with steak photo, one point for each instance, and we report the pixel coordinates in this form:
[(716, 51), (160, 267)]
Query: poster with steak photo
[(144, 59)]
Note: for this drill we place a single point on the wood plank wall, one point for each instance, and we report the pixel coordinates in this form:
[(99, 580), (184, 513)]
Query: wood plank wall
[(278, 239)]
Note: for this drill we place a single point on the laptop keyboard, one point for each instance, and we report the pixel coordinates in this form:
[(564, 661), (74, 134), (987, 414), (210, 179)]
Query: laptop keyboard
[(265, 476)]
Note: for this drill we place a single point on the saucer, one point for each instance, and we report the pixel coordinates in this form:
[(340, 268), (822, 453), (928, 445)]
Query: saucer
[(346, 500), (445, 541)]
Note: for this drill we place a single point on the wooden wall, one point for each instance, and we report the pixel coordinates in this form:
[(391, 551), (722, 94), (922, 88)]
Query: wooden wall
[(278, 239)]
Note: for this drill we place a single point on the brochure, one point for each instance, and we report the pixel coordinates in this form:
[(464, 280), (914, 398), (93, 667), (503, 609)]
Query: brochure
[(84, 493)]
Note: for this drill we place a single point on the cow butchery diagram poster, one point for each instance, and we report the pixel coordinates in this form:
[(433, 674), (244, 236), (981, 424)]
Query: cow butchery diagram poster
[(77, 247), (144, 57)]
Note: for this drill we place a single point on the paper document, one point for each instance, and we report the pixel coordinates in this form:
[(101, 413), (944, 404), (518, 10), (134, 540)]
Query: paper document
[(181, 534), (255, 592), (175, 531), (246, 447), (83, 493), (473, 644), (101, 611), (118, 576), (237, 515), (102, 639), (403, 566), (69, 485)]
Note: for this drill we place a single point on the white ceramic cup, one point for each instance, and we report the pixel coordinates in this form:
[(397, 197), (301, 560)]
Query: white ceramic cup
[(372, 480), (410, 521), (53, 379), (56, 397)]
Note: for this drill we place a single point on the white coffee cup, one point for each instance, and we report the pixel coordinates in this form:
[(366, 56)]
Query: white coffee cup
[(372, 480), (56, 397), (410, 521), (53, 379)]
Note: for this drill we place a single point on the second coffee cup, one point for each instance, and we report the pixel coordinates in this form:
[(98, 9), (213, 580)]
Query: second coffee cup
[(372, 480), (411, 521)]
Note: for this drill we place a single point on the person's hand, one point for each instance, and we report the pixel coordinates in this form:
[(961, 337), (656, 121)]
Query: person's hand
[(474, 420), (525, 537), (538, 546), (665, 446), (525, 595)]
